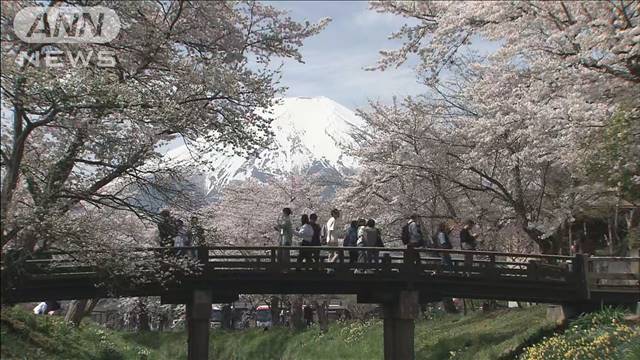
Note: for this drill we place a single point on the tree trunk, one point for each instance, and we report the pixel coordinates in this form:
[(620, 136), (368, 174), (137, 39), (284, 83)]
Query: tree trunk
[(274, 304), (78, 309), (297, 322), (323, 318), (227, 317), (143, 316)]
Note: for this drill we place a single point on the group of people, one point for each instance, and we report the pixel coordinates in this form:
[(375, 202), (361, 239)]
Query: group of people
[(172, 232), (363, 233), (360, 232)]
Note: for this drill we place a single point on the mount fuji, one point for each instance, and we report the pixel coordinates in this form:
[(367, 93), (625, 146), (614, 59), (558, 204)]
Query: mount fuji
[(309, 135)]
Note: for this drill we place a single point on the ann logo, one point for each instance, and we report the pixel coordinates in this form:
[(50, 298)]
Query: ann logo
[(66, 24)]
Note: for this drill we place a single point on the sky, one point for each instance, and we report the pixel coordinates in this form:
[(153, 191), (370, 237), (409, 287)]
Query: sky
[(335, 59)]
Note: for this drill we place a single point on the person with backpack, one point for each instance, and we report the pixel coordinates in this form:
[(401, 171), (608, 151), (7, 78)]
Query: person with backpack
[(351, 240), (371, 238), (412, 237), (441, 241), (330, 233), (368, 237)]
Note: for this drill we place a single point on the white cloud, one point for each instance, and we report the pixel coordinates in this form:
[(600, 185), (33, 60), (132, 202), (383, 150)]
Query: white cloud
[(369, 18)]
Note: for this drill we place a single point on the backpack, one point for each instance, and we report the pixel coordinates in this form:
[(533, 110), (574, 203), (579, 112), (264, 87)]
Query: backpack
[(436, 242), (405, 234), (421, 242)]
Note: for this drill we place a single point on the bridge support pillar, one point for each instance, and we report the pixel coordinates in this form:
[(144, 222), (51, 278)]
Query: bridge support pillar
[(399, 317), (198, 317)]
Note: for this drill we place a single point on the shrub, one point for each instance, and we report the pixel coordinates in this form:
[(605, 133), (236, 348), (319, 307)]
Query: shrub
[(601, 335)]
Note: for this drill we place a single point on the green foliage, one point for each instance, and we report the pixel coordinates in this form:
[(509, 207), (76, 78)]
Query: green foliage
[(496, 335), (440, 336), (601, 335), (615, 157), (26, 336)]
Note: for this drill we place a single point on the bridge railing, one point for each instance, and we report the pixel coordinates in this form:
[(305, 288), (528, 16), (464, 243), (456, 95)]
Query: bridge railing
[(612, 273), (422, 261), (419, 262)]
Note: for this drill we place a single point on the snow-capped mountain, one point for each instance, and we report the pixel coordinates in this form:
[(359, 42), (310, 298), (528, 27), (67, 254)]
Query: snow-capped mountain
[(309, 133)]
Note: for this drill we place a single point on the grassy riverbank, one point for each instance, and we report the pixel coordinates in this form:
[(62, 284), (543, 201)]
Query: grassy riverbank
[(496, 335)]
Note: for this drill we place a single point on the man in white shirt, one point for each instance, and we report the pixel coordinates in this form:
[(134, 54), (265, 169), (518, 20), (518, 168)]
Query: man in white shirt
[(333, 235)]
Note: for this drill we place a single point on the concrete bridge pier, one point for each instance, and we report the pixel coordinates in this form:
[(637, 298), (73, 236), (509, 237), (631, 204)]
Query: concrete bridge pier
[(198, 316), (399, 316)]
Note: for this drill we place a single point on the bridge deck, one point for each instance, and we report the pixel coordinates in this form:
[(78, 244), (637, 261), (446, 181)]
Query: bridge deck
[(229, 271)]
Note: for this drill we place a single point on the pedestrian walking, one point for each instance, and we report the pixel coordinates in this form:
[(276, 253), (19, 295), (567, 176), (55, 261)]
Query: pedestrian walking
[(412, 237), (166, 229), (368, 238), (441, 241), (285, 231), (351, 240), (181, 239), (308, 255), (196, 232), (305, 232), (468, 242), (332, 233)]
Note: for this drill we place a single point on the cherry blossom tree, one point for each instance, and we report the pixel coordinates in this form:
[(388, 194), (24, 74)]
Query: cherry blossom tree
[(248, 210), (508, 132), (75, 137)]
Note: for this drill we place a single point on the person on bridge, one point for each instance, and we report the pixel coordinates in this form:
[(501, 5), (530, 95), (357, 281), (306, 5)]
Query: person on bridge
[(351, 240), (332, 233), (412, 237), (442, 242), (196, 232), (361, 242), (468, 242), (305, 232), (182, 239), (166, 229), (369, 238), (307, 255), (284, 227)]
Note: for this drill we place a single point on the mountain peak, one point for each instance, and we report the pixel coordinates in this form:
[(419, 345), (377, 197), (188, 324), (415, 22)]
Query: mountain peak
[(309, 133)]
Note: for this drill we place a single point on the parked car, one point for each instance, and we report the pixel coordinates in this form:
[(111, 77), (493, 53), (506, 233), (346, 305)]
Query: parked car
[(263, 316), (216, 317), (338, 312)]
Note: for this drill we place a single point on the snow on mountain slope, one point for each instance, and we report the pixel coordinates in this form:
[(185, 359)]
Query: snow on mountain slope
[(308, 136)]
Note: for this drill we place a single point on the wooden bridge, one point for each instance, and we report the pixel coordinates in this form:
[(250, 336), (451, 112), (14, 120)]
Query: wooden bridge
[(400, 281)]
